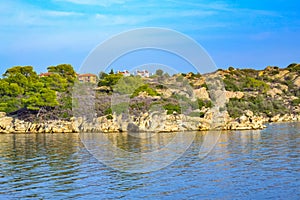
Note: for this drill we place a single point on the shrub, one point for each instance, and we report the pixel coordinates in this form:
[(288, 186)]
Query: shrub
[(171, 108), (204, 103), (109, 117), (296, 102), (144, 88), (120, 108), (294, 67)]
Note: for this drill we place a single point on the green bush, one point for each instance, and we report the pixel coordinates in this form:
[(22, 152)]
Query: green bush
[(120, 108), (231, 84), (144, 88), (259, 105), (110, 80), (171, 108), (109, 117), (294, 67), (296, 102), (204, 103)]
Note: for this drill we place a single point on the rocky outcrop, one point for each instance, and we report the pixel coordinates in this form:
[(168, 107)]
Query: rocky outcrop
[(6, 125), (147, 122), (201, 93), (275, 91), (11, 125), (231, 94), (284, 118), (247, 122), (297, 81)]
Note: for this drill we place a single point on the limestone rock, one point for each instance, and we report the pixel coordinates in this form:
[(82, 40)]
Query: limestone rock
[(243, 119), (2, 114), (249, 113), (201, 93), (273, 92), (231, 94), (6, 124), (297, 81)]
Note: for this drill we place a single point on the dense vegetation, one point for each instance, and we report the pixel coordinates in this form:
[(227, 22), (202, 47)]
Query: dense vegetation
[(267, 92), (259, 86), (23, 92)]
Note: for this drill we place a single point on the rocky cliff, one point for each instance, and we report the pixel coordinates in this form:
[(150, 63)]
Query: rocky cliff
[(232, 99), (148, 122)]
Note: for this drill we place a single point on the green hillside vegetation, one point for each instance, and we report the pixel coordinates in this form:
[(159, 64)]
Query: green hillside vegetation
[(267, 92), (258, 85), (21, 89)]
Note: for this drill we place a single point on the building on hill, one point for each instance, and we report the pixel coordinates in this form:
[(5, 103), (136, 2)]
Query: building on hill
[(87, 78), (142, 73), (124, 73), (45, 74)]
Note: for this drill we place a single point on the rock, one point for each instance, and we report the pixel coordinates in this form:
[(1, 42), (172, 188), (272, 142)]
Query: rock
[(249, 113), (273, 92), (231, 94), (275, 118), (6, 124), (243, 119), (2, 114), (281, 74), (297, 81), (201, 93)]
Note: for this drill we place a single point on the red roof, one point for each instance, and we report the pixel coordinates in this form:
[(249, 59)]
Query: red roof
[(46, 74)]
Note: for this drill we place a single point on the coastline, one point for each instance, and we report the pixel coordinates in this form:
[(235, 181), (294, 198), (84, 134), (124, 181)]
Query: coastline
[(149, 122)]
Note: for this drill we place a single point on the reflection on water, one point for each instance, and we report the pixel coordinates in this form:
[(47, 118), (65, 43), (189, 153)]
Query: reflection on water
[(137, 152), (243, 164)]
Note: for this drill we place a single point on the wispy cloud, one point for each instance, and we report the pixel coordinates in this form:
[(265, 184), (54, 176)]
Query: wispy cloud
[(204, 5), (27, 15), (104, 3), (54, 13)]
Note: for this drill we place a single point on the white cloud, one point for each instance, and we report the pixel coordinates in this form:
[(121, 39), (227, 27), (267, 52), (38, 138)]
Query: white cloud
[(113, 20), (54, 13), (104, 3)]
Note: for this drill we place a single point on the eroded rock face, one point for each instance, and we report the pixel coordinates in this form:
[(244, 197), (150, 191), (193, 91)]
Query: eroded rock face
[(247, 122), (147, 122), (297, 81), (231, 94), (6, 124), (273, 92), (201, 93)]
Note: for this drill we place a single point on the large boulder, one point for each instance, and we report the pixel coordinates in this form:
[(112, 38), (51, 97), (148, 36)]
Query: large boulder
[(201, 93), (6, 124)]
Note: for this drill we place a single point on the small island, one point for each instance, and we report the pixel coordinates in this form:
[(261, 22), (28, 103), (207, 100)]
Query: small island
[(231, 99)]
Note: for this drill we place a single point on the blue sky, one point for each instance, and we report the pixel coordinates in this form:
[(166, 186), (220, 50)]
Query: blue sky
[(239, 33)]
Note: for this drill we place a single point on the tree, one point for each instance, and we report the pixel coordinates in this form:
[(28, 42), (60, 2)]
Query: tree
[(102, 75), (64, 70), (56, 82), (111, 71), (27, 71), (128, 84), (45, 98), (159, 72), (110, 80), (231, 68)]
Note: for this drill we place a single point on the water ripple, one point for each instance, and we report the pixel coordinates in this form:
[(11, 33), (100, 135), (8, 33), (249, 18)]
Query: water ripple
[(243, 165)]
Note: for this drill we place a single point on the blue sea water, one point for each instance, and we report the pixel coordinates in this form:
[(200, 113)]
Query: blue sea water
[(242, 165)]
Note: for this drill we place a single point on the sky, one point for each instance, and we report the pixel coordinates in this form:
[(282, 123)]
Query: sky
[(238, 33)]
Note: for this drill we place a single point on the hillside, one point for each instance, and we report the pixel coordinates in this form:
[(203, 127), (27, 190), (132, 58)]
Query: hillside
[(229, 99)]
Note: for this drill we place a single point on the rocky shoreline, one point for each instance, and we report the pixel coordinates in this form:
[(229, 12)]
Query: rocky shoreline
[(148, 122)]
